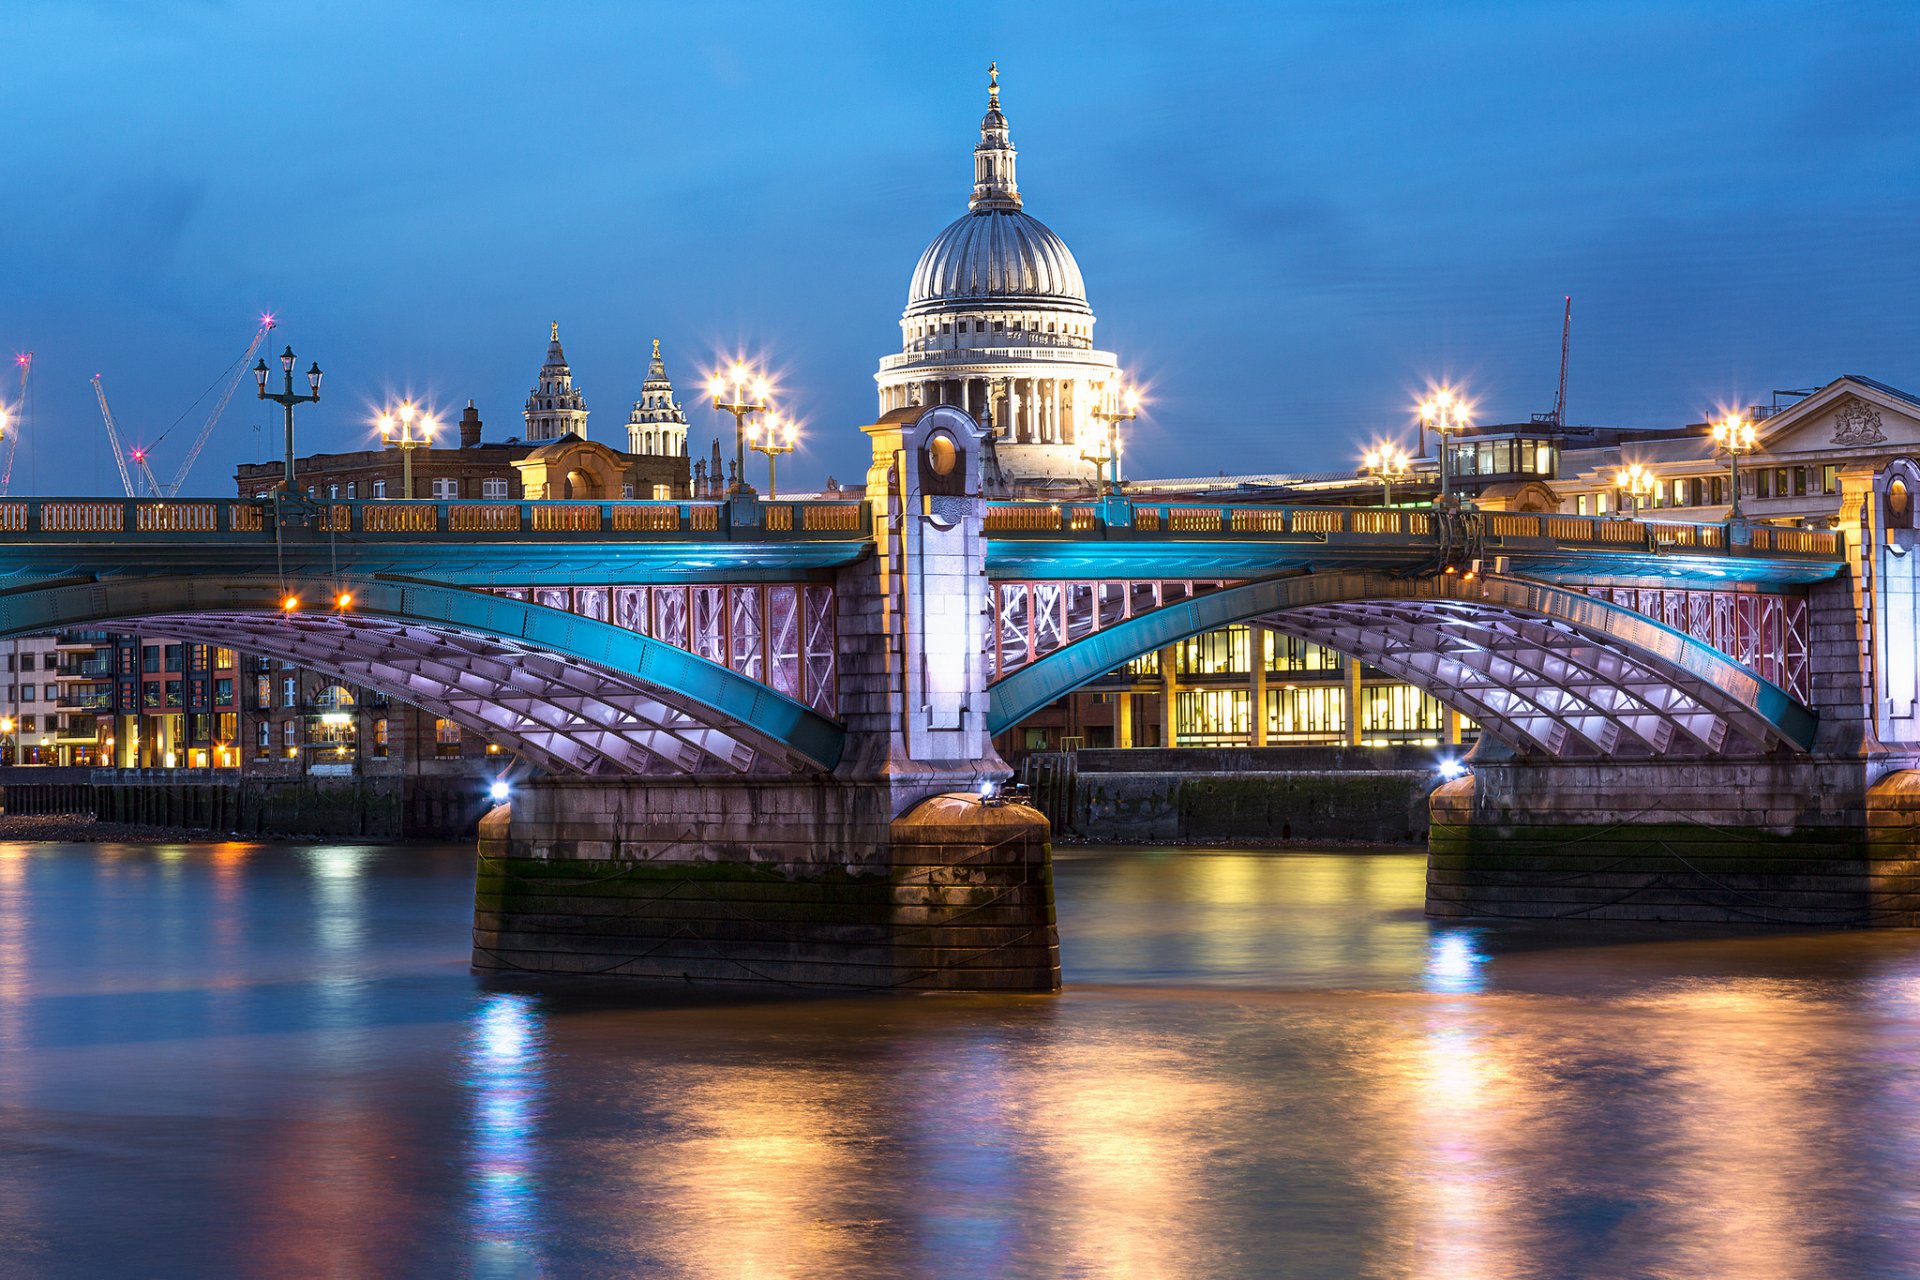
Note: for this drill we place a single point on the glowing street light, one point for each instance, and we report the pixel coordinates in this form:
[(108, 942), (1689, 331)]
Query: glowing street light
[(781, 433), (1445, 411), (287, 398), (1636, 483), (741, 391), (1735, 435), (407, 429), (1389, 464), (1124, 406)]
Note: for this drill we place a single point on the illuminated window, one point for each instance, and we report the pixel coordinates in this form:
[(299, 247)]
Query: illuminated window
[(1315, 713), (1290, 653), (380, 738), (662, 492), (1398, 711), (446, 739), (286, 733), (1213, 717), (1214, 653)]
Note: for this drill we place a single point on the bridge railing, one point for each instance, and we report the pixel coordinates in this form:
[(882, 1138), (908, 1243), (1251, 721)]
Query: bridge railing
[(1499, 528), (114, 518)]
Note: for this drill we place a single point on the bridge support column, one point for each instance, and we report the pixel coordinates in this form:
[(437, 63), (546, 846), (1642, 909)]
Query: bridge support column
[(893, 871), (1826, 838)]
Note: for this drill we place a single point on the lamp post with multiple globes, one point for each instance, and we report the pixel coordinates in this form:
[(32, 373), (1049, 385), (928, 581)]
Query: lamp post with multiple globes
[(1735, 435), (1635, 484), (407, 429), (742, 392), (1123, 406), (1388, 464), (781, 433), (1445, 412), (287, 397)]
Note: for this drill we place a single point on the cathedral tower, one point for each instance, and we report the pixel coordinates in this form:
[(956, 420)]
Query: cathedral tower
[(556, 407), (658, 425)]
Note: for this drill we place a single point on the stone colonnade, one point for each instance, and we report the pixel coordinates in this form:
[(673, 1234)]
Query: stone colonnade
[(1024, 410)]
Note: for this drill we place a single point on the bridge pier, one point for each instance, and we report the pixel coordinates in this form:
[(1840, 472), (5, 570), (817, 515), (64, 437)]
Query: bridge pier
[(890, 872)]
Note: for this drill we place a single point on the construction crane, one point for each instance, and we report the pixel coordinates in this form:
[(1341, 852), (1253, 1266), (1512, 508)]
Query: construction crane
[(1558, 418), (113, 438), (140, 456), (10, 422)]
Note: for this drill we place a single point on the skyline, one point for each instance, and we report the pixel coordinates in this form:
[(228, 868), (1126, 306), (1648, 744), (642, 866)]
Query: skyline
[(769, 188)]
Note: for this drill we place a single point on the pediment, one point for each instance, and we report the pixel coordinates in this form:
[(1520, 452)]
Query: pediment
[(1845, 415)]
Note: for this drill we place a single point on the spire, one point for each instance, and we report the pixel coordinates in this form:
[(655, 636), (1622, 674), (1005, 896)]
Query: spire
[(993, 184), (657, 425), (555, 407)]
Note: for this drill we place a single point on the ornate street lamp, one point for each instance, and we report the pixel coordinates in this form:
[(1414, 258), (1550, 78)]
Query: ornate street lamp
[(1388, 464), (1445, 412), (778, 429), (1124, 406), (742, 392), (286, 398), (407, 429), (1734, 435), (1636, 483)]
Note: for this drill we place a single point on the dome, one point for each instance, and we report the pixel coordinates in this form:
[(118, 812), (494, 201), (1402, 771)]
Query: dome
[(997, 256)]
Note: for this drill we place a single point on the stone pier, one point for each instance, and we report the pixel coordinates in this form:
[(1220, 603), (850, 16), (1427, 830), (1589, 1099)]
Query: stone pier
[(892, 872)]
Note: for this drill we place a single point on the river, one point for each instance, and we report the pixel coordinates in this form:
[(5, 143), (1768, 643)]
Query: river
[(271, 1061)]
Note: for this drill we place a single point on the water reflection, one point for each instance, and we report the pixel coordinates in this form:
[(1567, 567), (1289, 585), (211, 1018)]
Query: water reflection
[(504, 1077), (1454, 960)]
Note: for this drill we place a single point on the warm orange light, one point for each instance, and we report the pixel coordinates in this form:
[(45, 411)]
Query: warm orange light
[(289, 604), (344, 600)]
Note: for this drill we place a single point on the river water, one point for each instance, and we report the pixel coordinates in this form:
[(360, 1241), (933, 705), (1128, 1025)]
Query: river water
[(271, 1061)]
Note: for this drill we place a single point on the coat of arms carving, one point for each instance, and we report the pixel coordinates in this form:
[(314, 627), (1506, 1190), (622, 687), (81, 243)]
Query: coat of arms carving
[(1857, 424)]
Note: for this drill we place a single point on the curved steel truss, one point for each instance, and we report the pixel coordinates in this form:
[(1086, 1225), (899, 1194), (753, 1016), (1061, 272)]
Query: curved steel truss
[(1539, 666), (571, 694)]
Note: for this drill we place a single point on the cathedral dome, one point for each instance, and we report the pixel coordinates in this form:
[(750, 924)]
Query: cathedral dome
[(996, 255)]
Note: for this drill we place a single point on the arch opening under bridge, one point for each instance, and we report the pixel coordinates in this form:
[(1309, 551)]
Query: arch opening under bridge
[(570, 694), (1544, 668)]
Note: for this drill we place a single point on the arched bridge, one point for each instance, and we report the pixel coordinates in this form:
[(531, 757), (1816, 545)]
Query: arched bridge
[(633, 638)]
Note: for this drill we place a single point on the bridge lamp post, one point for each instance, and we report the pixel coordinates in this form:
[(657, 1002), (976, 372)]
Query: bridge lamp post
[(741, 392), (1111, 413), (407, 429), (1635, 483), (1445, 412), (1388, 464), (1734, 435), (287, 397), (781, 434)]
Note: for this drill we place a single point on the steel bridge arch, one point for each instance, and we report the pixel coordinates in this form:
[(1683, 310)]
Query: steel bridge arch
[(1538, 665), (571, 694)]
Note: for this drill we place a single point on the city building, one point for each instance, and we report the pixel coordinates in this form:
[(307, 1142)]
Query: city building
[(997, 323), (558, 462)]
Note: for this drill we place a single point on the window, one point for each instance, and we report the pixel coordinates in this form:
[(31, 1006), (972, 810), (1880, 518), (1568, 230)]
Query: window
[(224, 658), (173, 656), (1213, 717), (286, 733), (223, 692), (263, 737), (493, 487), (446, 739), (51, 692), (289, 690), (1830, 479), (1214, 653), (353, 490), (173, 693), (379, 488), (626, 490), (662, 493), (1316, 712), (149, 657), (26, 662), (30, 724), (380, 738), (262, 692), (1397, 712), (445, 489), (1800, 481), (1290, 653), (1580, 505), (333, 491)]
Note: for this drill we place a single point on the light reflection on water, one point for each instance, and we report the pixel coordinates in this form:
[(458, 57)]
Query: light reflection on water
[(239, 1060)]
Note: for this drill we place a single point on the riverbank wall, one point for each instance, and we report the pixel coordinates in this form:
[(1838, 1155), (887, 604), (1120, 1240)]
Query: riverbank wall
[(392, 808), (1375, 795)]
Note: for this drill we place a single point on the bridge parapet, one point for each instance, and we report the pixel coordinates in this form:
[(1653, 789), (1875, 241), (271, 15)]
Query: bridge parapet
[(1144, 521), (34, 519)]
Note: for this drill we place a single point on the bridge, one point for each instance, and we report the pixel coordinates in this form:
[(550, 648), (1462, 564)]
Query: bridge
[(778, 685)]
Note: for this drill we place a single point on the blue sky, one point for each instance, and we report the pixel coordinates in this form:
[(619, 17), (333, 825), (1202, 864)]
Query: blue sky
[(1289, 217)]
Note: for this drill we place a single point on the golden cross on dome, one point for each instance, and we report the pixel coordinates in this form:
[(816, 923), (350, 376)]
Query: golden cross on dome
[(556, 331)]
